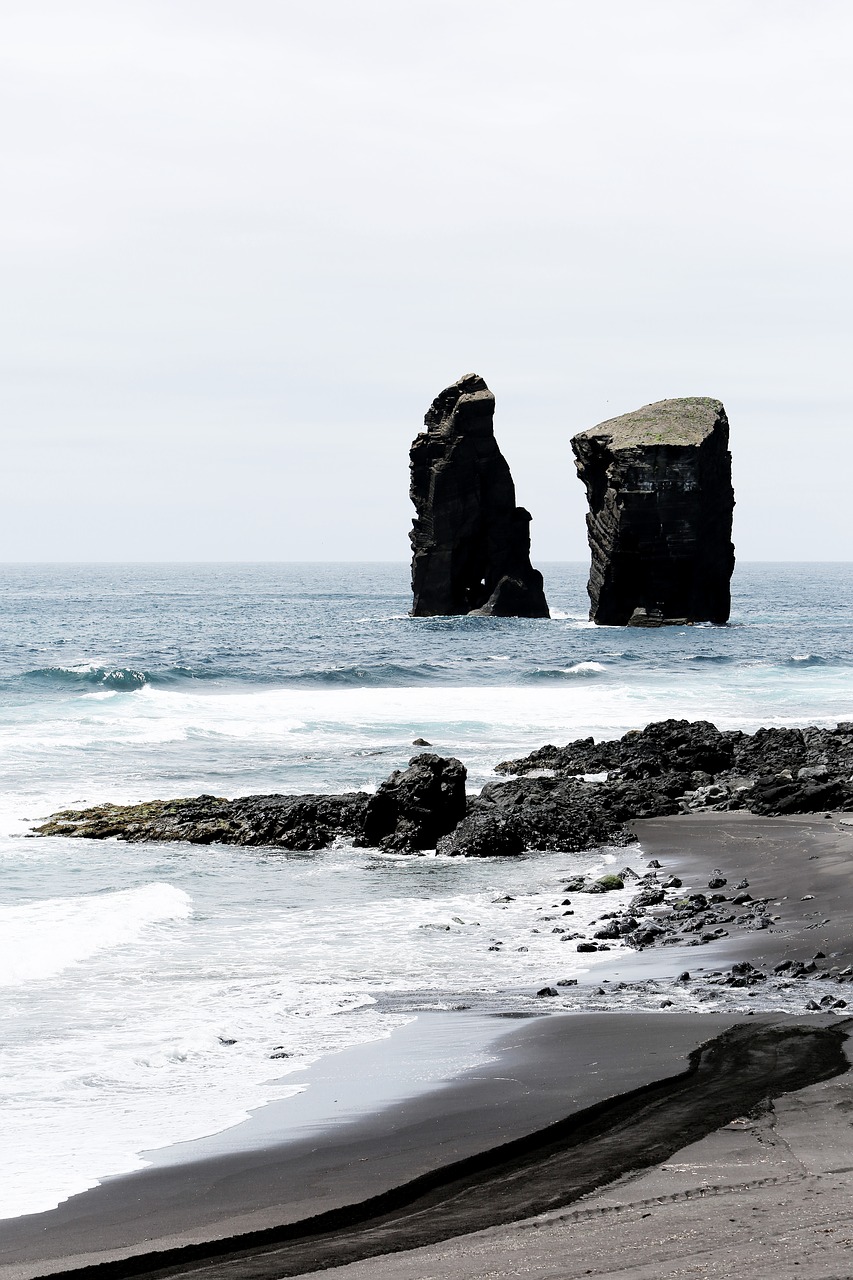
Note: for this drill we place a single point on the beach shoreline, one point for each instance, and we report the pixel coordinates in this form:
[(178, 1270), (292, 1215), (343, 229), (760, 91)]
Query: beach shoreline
[(541, 1070)]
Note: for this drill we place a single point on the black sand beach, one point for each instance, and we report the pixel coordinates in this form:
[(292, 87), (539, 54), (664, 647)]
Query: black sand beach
[(546, 1073)]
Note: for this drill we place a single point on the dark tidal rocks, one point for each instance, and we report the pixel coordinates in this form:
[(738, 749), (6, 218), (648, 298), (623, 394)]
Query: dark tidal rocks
[(604, 884), (409, 811), (536, 813), (670, 767), (685, 766), (660, 495), (294, 822), (413, 808), (470, 542)]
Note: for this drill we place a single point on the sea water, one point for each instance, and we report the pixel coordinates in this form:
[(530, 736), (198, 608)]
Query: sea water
[(154, 994)]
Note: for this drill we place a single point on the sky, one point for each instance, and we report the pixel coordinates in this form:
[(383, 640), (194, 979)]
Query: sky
[(244, 243)]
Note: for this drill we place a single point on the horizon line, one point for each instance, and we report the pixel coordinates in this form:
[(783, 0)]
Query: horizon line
[(333, 560)]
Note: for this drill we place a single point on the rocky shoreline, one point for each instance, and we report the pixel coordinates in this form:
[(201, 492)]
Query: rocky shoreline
[(661, 913), (580, 796)]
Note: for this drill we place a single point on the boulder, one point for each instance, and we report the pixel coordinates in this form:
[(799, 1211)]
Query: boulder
[(770, 751), (470, 542), (659, 487), (415, 807), (771, 797)]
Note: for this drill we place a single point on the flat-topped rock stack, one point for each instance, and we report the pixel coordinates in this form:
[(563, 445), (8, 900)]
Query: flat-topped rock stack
[(470, 542), (659, 487)]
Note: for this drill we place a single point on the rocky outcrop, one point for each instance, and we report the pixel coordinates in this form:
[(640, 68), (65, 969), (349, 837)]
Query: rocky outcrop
[(660, 495), (537, 813), (415, 807), (665, 746), (291, 822), (671, 767), (411, 810), (470, 542), (694, 766)]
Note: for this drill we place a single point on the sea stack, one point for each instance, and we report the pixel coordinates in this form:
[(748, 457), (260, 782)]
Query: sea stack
[(659, 486), (470, 542)]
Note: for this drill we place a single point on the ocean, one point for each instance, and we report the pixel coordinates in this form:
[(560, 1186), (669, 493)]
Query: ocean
[(154, 994)]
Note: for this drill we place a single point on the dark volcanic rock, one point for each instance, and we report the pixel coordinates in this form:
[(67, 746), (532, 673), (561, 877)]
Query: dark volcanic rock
[(679, 747), (772, 796), (410, 811), (537, 813), (659, 487), (654, 772), (292, 822), (414, 808), (651, 773), (485, 833), (470, 542), (770, 751)]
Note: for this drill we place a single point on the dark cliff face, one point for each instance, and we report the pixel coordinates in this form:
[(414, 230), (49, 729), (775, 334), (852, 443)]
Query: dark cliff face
[(470, 542), (660, 497)]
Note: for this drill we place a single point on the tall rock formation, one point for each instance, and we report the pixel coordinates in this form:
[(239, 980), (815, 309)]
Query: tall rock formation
[(659, 485), (470, 542)]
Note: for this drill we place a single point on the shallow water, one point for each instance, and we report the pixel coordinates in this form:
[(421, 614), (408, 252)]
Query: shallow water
[(145, 990)]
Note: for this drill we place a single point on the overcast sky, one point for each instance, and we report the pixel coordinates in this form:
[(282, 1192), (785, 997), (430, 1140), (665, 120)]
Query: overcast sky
[(246, 242)]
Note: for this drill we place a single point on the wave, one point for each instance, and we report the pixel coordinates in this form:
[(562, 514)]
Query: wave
[(131, 679), (455, 670), (78, 928), (580, 670), (373, 675), (716, 659), (725, 659), (115, 679)]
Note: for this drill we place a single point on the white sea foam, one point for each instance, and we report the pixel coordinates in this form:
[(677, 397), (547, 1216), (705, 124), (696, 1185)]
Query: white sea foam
[(146, 1034), (40, 939)]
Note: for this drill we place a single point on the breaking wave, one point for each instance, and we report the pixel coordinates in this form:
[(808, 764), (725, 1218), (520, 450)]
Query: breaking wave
[(116, 679), (715, 659), (376, 675), (373, 675), (41, 939), (580, 670)]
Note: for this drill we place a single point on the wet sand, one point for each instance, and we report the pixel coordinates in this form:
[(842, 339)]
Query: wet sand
[(544, 1071)]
